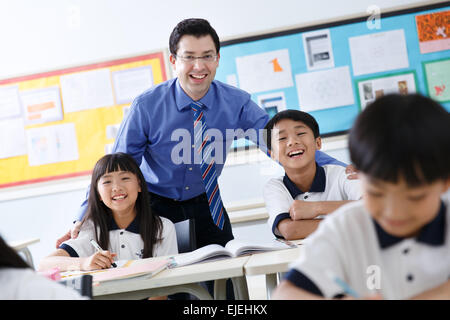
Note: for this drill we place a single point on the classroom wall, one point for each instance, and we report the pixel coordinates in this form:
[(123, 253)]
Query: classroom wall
[(46, 35)]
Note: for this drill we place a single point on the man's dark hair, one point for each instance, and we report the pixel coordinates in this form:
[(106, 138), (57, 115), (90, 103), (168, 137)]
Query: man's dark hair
[(402, 136), (194, 27), (294, 115)]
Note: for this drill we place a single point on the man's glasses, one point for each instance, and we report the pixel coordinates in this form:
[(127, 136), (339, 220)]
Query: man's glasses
[(191, 59)]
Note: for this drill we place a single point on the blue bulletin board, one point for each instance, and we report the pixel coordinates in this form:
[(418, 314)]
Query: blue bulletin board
[(333, 70)]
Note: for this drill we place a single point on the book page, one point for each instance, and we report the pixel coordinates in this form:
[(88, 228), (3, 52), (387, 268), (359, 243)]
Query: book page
[(201, 254), (240, 247)]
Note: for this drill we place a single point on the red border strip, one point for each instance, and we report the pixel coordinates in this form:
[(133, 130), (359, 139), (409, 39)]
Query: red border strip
[(63, 176), (159, 55), (90, 67)]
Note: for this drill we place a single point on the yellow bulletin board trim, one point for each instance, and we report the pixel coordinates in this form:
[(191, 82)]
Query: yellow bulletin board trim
[(90, 124)]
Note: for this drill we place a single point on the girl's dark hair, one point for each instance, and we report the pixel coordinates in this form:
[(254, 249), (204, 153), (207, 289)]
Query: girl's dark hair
[(193, 27), (150, 225), (402, 136), (9, 258), (295, 115)]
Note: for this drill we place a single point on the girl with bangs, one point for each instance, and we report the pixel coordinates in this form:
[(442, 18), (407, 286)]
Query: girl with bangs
[(119, 219)]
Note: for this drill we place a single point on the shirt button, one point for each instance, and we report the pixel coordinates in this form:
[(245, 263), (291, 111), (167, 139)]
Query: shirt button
[(121, 232), (190, 169), (193, 146), (187, 188), (406, 251), (305, 197), (410, 277), (122, 246)]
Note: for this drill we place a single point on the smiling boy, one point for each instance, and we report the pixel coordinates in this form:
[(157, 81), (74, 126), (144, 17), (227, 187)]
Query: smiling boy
[(297, 201), (396, 242)]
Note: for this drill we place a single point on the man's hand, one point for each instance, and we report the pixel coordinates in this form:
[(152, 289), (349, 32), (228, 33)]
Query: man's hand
[(71, 234), (351, 172), (303, 210)]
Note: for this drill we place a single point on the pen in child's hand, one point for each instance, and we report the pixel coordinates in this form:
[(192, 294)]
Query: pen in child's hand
[(96, 246), (341, 283)]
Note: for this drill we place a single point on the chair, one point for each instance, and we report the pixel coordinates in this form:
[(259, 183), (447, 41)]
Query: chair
[(83, 284), (185, 231)]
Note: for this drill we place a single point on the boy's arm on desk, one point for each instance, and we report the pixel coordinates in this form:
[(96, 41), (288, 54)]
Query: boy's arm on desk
[(299, 229)]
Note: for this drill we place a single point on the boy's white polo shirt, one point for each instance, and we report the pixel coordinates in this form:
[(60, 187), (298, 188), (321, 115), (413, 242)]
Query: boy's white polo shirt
[(127, 243), (330, 184), (355, 248)]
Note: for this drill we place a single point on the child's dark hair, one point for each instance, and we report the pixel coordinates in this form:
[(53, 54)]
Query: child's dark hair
[(295, 115), (9, 258), (193, 27), (402, 136), (150, 225)]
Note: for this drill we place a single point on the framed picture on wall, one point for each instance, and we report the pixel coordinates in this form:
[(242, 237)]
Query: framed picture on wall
[(437, 77), (370, 89)]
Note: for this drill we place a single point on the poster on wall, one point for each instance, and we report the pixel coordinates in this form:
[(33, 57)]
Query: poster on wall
[(318, 49), (86, 90), (437, 74), (378, 52), (433, 30), (324, 89), (272, 103), (264, 71), (9, 102), (373, 88), (52, 144), (130, 83), (12, 147), (41, 105)]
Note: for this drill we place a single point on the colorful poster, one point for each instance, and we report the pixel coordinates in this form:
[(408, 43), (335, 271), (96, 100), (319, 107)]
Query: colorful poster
[(41, 105), (52, 144), (437, 74), (373, 88), (264, 71), (433, 30)]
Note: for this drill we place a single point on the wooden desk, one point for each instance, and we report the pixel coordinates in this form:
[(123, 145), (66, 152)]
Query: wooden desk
[(272, 265), (181, 279), (22, 246)]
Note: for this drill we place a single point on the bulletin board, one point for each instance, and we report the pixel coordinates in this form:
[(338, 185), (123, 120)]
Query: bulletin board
[(332, 70), (57, 124)]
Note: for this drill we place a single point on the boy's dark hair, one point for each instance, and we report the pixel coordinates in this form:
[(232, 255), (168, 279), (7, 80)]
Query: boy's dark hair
[(295, 115), (150, 224), (193, 27), (402, 135)]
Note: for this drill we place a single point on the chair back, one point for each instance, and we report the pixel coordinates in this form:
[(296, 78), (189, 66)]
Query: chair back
[(186, 235)]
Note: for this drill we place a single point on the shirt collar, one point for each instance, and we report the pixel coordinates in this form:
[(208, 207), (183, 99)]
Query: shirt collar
[(432, 234), (132, 227), (318, 184), (183, 101)]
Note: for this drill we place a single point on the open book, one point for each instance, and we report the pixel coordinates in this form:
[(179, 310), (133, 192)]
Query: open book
[(125, 269), (233, 248)]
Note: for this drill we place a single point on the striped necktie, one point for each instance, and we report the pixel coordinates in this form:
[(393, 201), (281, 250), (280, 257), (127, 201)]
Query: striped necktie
[(203, 147)]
